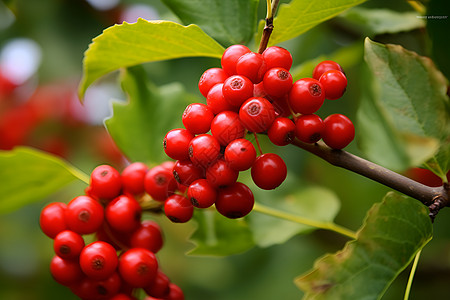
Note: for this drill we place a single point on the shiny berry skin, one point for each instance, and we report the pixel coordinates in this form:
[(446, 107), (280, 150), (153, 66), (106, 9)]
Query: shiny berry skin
[(230, 57), (252, 66), (240, 154), (175, 292), (105, 182), (147, 236), (176, 143), (138, 267), (216, 102), (52, 220), (235, 201), (68, 244), (338, 131), (201, 193), (159, 183), (185, 172), (204, 150), (178, 208), (277, 57), (197, 118), (210, 78), (306, 96), (309, 128), (133, 178), (65, 272), (92, 289), (84, 215), (277, 82), (236, 89), (324, 66), (257, 114), (282, 131), (98, 260), (220, 174), (269, 171), (159, 288), (227, 127), (334, 83), (123, 214)]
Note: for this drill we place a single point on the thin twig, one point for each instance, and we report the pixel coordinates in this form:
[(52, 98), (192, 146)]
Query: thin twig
[(268, 28)]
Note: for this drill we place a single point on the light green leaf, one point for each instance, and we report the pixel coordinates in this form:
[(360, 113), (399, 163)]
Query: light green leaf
[(404, 119), (128, 45), (393, 232), (229, 22), (28, 175)]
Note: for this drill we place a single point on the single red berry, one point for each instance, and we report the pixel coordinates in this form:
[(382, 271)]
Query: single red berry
[(175, 292), (306, 96), (105, 182), (92, 289), (204, 150), (230, 57), (178, 208), (220, 174), (309, 128), (216, 102), (269, 171), (147, 236), (257, 114), (201, 193), (240, 154), (159, 288), (252, 66), (98, 260), (277, 82), (209, 78), (68, 244), (168, 165), (52, 220), (185, 172), (282, 131), (176, 143), (277, 57), (236, 89), (138, 267), (226, 127), (84, 215), (159, 183), (338, 131), (133, 178), (235, 201), (334, 83), (197, 118), (123, 214), (324, 66), (65, 272)]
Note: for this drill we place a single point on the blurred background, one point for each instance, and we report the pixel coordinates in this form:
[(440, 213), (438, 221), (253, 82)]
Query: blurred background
[(41, 51)]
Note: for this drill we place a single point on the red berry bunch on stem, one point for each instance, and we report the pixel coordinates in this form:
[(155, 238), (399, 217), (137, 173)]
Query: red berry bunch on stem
[(103, 247)]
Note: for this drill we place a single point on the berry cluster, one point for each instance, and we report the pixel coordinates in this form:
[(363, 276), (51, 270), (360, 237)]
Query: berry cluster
[(121, 257), (250, 93)]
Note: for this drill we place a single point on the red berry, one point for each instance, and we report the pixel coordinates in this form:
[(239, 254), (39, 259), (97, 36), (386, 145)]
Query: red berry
[(204, 150), (65, 272), (216, 102), (306, 96), (230, 57), (92, 289), (220, 174), (175, 292), (138, 267), (309, 128), (252, 66), (185, 172), (201, 193), (277, 57), (197, 118), (84, 215), (277, 82), (147, 236), (240, 154), (176, 143), (235, 201), (178, 209), (122, 297), (209, 78), (123, 214), (269, 171), (324, 66), (338, 131), (98, 260), (159, 183), (52, 220), (133, 178), (159, 288), (68, 244), (334, 83), (257, 114), (236, 89), (105, 182), (227, 127), (282, 131)]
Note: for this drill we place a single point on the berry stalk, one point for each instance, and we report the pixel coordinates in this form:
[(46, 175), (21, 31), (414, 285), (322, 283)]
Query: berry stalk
[(268, 28)]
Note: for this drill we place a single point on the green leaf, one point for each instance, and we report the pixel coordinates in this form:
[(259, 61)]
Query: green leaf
[(229, 22), (299, 16), (307, 202), (217, 235), (393, 232), (404, 120), (128, 45), (139, 125), (29, 175)]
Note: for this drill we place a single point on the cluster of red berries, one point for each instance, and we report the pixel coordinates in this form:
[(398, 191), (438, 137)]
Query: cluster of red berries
[(120, 257)]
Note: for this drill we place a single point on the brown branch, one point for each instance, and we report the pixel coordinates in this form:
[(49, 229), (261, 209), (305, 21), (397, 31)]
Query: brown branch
[(268, 28)]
